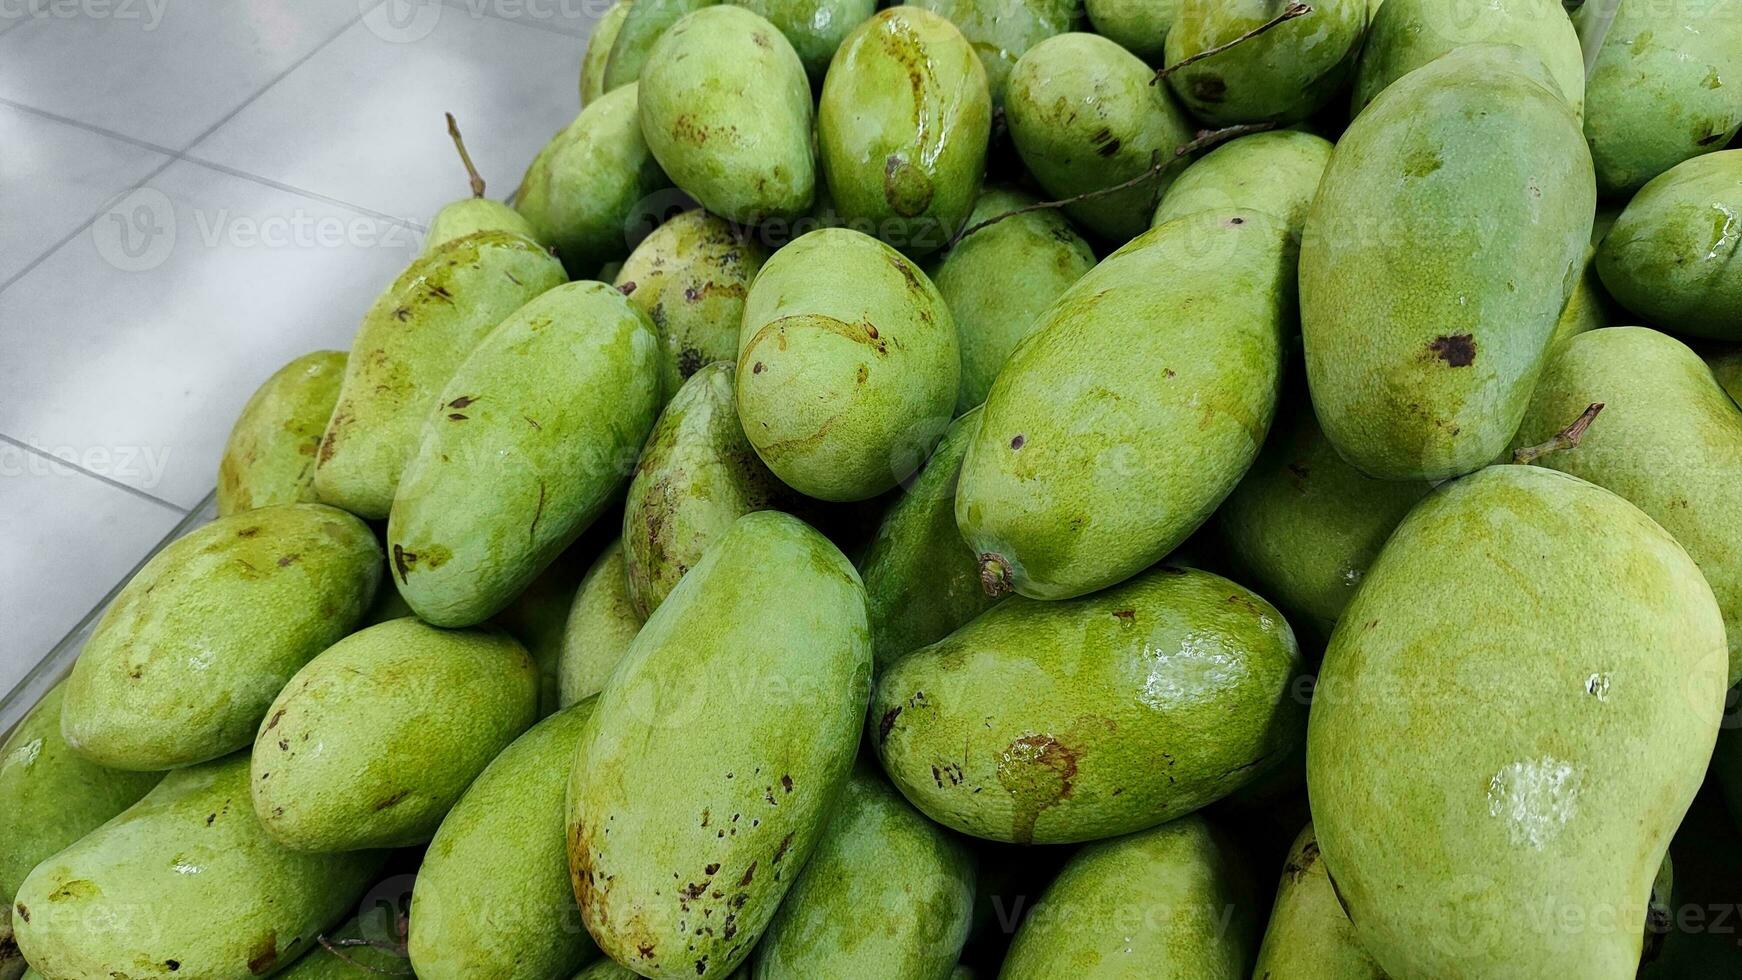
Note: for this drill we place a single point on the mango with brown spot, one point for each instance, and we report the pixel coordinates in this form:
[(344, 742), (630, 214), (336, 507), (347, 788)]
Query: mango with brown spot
[(816, 28), (1283, 74), (1309, 936), (270, 455)]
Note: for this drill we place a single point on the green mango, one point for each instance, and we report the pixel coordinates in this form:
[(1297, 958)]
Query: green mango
[(470, 215), (547, 411), (1588, 308), (410, 342), (1665, 86), (1276, 172), (584, 187), (1668, 439), (492, 897), (538, 618), (848, 365), (690, 277), (1444, 241), (815, 28), (1138, 26), (902, 127), (598, 52), (685, 833), (602, 623), (1282, 75), (1172, 903), (337, 764), (1513, 715), (1143, 394), (184, 883), (1000, 30), (1309, 936), (356, 955), (726, 110), (607, 969), (1673, 255), (1042, 722), (1084, 118), (1727, 368), (270, 455), (997, 280), (1411, 33), (183, 664), (643, 25), (888, 894)]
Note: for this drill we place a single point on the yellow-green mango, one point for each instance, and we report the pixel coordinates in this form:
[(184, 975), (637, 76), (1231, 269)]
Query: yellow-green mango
[(1668, 438), (999, 279), (1513, 714), (473, 214), (1139, 26), (848, 365), (538, 618), (270, 455), (184, 883), (887, 894), (602, 623), (1444, 240), (185, 661), (1726, 367), (1084, 118), (1309, 936), (1001, 30), (1133, 409), (1410, 33), (716, 752), (1276, 172), (372, 742), (492, 897), (547, 412), (643, 25), (902, 127), (410, 342), (1675, 255), (1282, 75), (726, 110), (815, 28), (1172, 903), (598, 51), (690, 277), (1055, 722), (1666, 85)]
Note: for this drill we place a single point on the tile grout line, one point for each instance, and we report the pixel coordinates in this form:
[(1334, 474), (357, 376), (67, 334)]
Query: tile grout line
[(76, 468), (87, 127)]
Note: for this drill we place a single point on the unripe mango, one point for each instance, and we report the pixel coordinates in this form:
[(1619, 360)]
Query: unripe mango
[(1672, 256), (598, 52), (1275, 172), (270, 456), (1309, 936), (816, 28), (346, 959), (1001, 30), (1138, 26), (602, 623), (1284, 74), (538, 617), (643, 26), (1410, 33)]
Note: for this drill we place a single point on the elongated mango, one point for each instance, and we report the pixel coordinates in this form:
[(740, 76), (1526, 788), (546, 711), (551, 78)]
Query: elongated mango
[(1309, 936), (598, 52), (270, 455), (1138, 26), (1283, 74), (601, 624), (1410, 33), (1276, 172)]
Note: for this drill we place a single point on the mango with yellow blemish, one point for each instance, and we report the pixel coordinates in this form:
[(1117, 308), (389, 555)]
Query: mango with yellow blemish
[(270, 455)]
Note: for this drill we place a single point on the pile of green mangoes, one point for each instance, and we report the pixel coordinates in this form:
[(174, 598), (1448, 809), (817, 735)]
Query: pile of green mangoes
[(1185, 489)]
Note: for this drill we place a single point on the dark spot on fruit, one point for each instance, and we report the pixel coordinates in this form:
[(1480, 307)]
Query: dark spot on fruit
[(1236, 221), (402, 313), (711, 869), (173, 965), (391, 801), (264, 955), (1457, 350), (285, 561), (457, 417), (749, 873), (23, 912), (887, 724), (463, 401), (1037, 771), (627, 288), (862, 374), (1017, 441), (210, 819), (756, 368), (786, 783), (1209, 88), (247, 532), (780, 852), (276, 716), (1128, 615), (1108, 149), (645, 950), (403, 560)]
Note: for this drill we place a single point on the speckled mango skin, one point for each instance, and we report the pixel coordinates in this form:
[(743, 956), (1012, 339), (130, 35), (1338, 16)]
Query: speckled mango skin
[(602, 623), (726, 110), (1669, 439), (1055, 722), (815, 28), (492, 897), (1283, 75), (185, 883), (1001, 30), (888, 894), (1084, 117), (848, 365), (410, 342), (997, 280), (1139, 26), (1132, 410), (717, 751), (1410, 33), (598, 52), (184, 663), (643, 25), (902, 127), (1275, 172), (372, 742), (547, 411), (1512, 717), (690, 277), (1309, 937), (1444, 240), (1172, 903), (1666, 86), (1675, 255), (470, 216), (270, 455)]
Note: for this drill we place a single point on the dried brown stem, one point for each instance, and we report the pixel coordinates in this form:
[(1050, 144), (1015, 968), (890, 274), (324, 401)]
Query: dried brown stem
[(466, 158), (1567, 438), (1290, 12)]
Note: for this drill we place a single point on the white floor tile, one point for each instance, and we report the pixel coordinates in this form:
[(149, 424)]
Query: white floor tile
[(575, 17)]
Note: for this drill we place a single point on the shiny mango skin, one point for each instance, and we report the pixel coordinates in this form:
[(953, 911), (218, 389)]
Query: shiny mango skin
[(902, 127), (1410, 33), (690, 277), (1675, 254), (643, 25), (1666, 86), (598, 52), (581, 189), (471, 215), (372, 742), (887, 893), (1056, 722), (1133, 409), (602, 623), (184, 883), (1001, 30), (547, 412), (410, 342), (1668, 439), (768, 631), (815, 28), (1171, 903), (270, 455), (726, 110), (1283, 75), (1309, 937), (1520, 701), (185, 661), (848, 365), (1276, 172), (997, 280), (492, 897), (1084, 117), (1138, 26), (1443, 242)]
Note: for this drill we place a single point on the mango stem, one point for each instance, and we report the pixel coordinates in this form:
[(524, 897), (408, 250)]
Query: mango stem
[(1290, 12), (466, 158), (995, 575), (1567, 438)]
